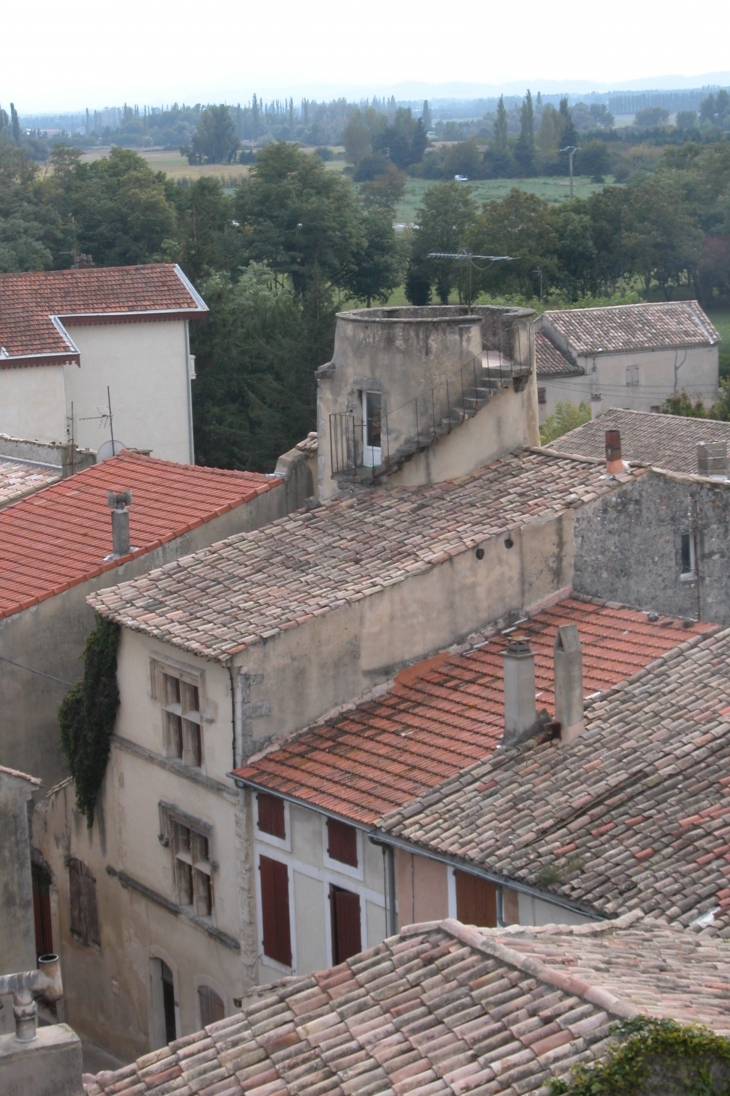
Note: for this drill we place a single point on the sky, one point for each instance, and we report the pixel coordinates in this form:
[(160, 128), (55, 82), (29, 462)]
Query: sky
[(59, 57)]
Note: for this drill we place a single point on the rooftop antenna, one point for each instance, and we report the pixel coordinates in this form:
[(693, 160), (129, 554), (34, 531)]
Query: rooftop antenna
[(571, 150), (469, 257)]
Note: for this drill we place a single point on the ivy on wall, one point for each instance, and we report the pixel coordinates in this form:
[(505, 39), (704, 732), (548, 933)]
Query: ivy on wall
[(655, 1058), (87, 715)]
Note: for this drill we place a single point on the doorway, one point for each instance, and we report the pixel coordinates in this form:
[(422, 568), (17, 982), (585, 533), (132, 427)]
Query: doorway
[(345, 914), (372, 454), (168, 1002), (42, 909)]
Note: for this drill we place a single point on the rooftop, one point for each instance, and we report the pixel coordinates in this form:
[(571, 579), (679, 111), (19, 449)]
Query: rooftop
[(18, 479), (224, 599), (441, 715), (651, 326), (443, 1010), (663, 441), (634, 814), (550, 362), (33, 306), (60, 535)]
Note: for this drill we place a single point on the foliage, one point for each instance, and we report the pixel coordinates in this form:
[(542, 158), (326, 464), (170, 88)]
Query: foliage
[(681, 404), (651, 116), (445, 219), (376, 266), (525, 148), (87, 715), (214, 140), (566, 417), (24, 221), (404, 138), (648, 1049)]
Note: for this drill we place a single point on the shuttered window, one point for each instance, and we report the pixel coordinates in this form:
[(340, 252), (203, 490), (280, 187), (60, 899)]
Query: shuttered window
[(476, 900), (82, 895), (275, 910), (42, 910), (212, 1008), (342, 842), (345, 913), (271, 815)]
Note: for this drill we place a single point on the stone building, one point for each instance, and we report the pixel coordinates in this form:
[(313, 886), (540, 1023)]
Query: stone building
[(71, 341), (633, 355)]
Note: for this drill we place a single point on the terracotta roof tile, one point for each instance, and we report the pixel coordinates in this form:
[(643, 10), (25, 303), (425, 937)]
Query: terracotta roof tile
[(549, 361), (664, 441), (649, 326), (60, 535), (224, 599), (18, 479), (442, 714), (447, 1008), (30, 302), (637, 814)]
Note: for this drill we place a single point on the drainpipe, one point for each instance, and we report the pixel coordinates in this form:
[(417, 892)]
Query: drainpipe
[(389, 858), (233, 713)]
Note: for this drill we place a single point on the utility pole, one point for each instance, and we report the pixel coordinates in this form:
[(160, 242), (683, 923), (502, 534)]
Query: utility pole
[(468, 257), (571, 150)]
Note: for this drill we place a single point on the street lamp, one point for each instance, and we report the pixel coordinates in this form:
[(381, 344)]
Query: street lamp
[(467, 256), (571, 150)]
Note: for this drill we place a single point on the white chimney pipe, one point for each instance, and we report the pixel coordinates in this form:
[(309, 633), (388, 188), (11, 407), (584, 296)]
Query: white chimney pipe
[(120, 522), (569, 683), (520, 716)]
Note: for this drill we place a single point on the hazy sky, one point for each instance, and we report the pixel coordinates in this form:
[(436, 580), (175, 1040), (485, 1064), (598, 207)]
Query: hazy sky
[(62, 56)]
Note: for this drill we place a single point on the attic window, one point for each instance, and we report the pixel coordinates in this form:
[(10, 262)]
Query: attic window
[(271, 818)]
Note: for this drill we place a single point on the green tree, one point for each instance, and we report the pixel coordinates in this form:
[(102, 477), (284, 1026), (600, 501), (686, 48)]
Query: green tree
[(664, 241), (207, 238), (497, 157), (15, 124), (520, 226), (357, 136), (299, 219), (25, 221), (648, 117), (575, 250), (384, 188), (681, 404), (214, 140), (568, 135), (525, 147), (566, 417), (445, 221), (404, 139), (594, 160), (376, 268)]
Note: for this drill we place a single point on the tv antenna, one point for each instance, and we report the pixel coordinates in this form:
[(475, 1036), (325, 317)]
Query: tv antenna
[(469, 257)]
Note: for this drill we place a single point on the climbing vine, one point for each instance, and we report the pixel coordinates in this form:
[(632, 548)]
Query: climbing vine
[(655, 1056), (87, 715)]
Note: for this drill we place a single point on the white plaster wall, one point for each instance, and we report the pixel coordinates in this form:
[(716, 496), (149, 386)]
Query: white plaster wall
[(537, 911), (145, 366), (32, 402)]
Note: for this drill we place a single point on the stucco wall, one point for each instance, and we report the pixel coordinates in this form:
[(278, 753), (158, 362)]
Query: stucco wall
[(422, 888), (628, 546), (145, 366), (17, 935), (33, 403), (50, 637)]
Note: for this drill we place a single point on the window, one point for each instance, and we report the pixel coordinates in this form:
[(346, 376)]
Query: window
[(342, 842), (168, 1001), (82, 897), (275, 910), (372, 418), (271, 818), (632, 376), (345, 914), (689, 562), (476, 900), (542, 396), (180, 697), (191, 858), (212, 1008)]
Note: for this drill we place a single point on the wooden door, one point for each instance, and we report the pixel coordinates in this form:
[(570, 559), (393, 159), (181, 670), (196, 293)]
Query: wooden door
[(345, 911), (476, 900)]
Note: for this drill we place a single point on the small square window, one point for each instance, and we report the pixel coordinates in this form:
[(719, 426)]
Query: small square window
[(542, 396), (632, 376), (271, 817)]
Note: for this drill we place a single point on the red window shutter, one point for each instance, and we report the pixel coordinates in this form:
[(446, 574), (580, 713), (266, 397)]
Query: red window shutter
[(345, 911), (271, 815), (275, 910), (476, 900), (342, 842)]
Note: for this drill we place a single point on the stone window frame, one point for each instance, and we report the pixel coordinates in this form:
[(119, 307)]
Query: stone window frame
[(632, 376), (190, 840), (182, 722)]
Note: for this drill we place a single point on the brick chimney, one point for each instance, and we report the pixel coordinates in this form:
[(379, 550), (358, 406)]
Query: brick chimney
[(614, 463), (712, 459), (569, 683), (520, 716), (118, 501)]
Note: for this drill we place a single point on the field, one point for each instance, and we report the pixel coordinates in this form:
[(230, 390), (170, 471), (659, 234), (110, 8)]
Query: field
[(176, 166), (552, 188), (721, 320)]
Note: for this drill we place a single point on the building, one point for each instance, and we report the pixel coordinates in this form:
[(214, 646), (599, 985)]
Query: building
[(631, 814), (17, 939), (74, 341), (632, 355), (449, 1009), (56, 548), (323, 890), (26, 466)]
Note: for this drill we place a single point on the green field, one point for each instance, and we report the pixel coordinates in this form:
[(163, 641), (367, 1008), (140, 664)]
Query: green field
[(721, 319), (552, 188), (177, 167)]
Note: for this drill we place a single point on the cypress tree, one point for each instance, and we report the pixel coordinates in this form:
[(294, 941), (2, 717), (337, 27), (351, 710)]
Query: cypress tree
[(15, 124), (525, 150), (500, 146), (568, 136)]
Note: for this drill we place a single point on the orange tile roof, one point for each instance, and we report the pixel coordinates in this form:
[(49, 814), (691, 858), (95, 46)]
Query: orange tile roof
[(445, 713), (59, 536), (18, 478), (31, 331)]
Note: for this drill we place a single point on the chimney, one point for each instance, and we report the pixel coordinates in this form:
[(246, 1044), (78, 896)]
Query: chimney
[(614, 463), (569, 683), (712, 459), (596, 406), (118, 501), (520, 716)]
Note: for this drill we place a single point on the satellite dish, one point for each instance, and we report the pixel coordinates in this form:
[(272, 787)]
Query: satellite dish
[(109, 449)]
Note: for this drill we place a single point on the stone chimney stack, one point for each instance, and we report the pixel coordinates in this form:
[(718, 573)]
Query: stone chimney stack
[(614, 463), (118, 501), (712, 459), (520, 716), (569, 683)]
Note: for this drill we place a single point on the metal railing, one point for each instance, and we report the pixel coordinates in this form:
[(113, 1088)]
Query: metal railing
[(415, 424)]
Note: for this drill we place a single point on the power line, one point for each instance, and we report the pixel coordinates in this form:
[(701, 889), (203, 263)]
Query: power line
[(40, 673)]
